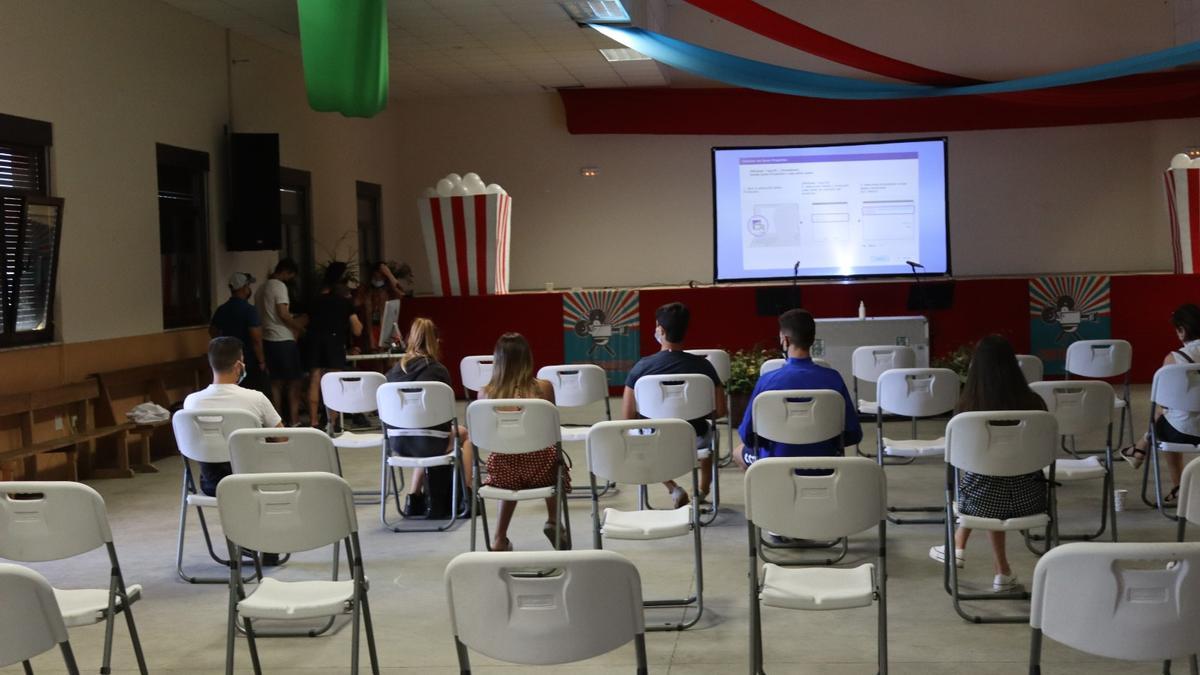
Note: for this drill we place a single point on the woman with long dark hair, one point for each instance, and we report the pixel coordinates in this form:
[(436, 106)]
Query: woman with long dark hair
[(995, 382)]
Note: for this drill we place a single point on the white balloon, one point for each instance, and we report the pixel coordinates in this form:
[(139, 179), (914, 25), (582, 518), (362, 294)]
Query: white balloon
[(1181, 161), (1195, 164), (474, 184), (454, 178), (495, 189), (470, 176), (430, 192), (445, 187), (461, 190)]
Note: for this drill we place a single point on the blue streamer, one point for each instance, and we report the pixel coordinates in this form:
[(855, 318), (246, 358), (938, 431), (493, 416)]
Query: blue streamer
[(780, 80)]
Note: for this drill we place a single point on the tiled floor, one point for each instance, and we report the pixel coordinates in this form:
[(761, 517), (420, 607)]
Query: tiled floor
[(183, 626)]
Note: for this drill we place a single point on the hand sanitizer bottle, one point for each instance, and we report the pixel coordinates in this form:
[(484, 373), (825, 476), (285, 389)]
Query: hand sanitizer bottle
[(862, 310)]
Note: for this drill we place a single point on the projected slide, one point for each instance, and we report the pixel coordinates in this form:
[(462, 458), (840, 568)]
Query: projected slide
[(831, 210)]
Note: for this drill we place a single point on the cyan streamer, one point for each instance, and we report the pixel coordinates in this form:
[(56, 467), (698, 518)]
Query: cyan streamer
[(777, 79)]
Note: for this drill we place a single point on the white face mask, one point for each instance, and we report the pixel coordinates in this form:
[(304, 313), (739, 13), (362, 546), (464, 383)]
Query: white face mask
[(242, 377), (377, 283), (658, 336)]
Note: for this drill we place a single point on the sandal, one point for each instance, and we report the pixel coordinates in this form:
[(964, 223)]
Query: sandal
[(1171, 497), (1134, 456), (549, 529), (504, 549)]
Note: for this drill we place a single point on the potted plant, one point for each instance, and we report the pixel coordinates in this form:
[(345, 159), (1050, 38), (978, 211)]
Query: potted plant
[(958, 360), (743, 375)]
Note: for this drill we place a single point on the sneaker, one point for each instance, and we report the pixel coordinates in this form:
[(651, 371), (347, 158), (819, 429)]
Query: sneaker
[(679, 497), (938, 553), (1004, 582)]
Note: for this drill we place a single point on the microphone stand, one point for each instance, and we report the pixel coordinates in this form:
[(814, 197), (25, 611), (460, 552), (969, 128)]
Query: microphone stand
[(795, 286)]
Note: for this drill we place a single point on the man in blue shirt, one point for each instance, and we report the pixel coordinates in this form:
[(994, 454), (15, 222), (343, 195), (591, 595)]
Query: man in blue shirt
[(238, 318), (797, 330)]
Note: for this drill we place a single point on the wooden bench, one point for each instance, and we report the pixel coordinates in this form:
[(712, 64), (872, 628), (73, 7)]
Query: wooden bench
[(73, 408)]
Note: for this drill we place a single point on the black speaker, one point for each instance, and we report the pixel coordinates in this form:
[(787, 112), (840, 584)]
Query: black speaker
[(775, 300), (254, 222)]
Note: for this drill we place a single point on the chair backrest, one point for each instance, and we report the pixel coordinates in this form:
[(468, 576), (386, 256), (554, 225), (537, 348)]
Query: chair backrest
[(917, 392), (641, 451), (770, 365), (849, 500), (415, 405), (798, 415), (719, 358), (50, 520), (1189, 493), (203, 435), (684, 397), (282, 451), (286, 512), (476, 371), (351, 391), (576, 385), (868, 363), (30, 620), (1131, 601), (1177, 387), (1002, 442), (1080, 406), (1031, 367), (1099, 358), (542, 608), (513, 425)]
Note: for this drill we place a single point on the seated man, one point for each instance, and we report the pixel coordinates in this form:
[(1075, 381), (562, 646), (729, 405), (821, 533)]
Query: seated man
[(797, 330), (225, 393), (670, 327)]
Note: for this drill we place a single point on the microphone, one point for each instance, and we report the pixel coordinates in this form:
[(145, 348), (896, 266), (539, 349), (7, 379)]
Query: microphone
[(914, 264)]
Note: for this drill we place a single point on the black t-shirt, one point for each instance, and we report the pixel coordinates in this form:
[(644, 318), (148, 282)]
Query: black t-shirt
[(235, 318), (675, 363), (420, 369), (330, 315)]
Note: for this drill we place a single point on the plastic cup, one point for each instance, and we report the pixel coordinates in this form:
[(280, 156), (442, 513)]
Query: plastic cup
[(1119, 499)]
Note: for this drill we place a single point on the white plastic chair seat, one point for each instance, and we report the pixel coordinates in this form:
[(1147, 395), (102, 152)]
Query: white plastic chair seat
[(570, 434), (1077, 469), (1037, 520), (704, 453), (1178, 447), (86, 606), (350, 439), (914, 448), (202, 500), (1118, 403), (420, 462), (274, 599), (818, 588), (868, 407), (655, 524), (489, 492)]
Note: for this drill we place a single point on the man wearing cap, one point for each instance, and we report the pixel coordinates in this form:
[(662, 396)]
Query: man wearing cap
[(238, 318)]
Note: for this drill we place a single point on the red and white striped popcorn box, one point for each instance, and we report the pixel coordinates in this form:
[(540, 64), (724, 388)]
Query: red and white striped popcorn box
[(1183, 204), (466, 240)]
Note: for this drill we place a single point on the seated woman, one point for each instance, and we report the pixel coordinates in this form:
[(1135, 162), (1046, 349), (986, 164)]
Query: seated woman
[(1174, 426), (995, 382), (420, 364), (513, 377)]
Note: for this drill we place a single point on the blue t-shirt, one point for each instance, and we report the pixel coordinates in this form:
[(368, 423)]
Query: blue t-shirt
[(801, 374), (235, 318), (675, 363)]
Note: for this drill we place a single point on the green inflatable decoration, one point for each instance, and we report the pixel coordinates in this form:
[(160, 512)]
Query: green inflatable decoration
[(345, 50)]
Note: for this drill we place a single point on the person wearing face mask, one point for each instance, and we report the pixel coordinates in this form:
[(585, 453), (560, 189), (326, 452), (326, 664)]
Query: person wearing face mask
[(797, 331), (670, 327), (369, 301), (226, 393)]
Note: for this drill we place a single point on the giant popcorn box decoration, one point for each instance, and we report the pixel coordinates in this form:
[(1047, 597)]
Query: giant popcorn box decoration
[(466, 230), (1183, 203)]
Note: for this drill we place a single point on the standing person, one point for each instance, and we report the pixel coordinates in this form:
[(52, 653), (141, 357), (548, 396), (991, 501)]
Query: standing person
[(331, 322), (513, 377), (797, 331), (670, 329), (369, 300), (995, 382), (280, 331), (238, 318), (1174, 426)]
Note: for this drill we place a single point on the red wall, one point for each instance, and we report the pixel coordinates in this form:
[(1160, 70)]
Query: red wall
[(725, 317)]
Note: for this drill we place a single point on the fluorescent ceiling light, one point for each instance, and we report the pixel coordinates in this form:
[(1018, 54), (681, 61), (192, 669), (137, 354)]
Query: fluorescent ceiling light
[(623, 54), (596, 11)]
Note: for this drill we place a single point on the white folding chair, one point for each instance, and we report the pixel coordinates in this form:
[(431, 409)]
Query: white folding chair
[(45, 521), (514, 426), (203, 436), (544, 608), (684, 397), (783, 495), (289, 513), (1031, 367), (476, 372), (415, 409), (799, 417), (868, 363), (352, 392), (30, 620), (642, 452), (1175, 387), (1189, 498), (578, 386), (997, 443), (1081, 407), (1133, 602), (719, 358), (915, 393), (775, 364), (1101, 360)]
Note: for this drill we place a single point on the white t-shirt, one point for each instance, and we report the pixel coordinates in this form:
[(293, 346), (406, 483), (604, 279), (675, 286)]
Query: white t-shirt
[(1185, 422), (234, 397), (271, 294)]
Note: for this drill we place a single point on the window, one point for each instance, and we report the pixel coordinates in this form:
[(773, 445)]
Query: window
[(370, 226), (183, 235), (30, 233), (295, 207)]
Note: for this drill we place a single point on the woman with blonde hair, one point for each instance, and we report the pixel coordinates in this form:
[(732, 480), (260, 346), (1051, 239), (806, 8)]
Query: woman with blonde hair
[(513, 377)]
